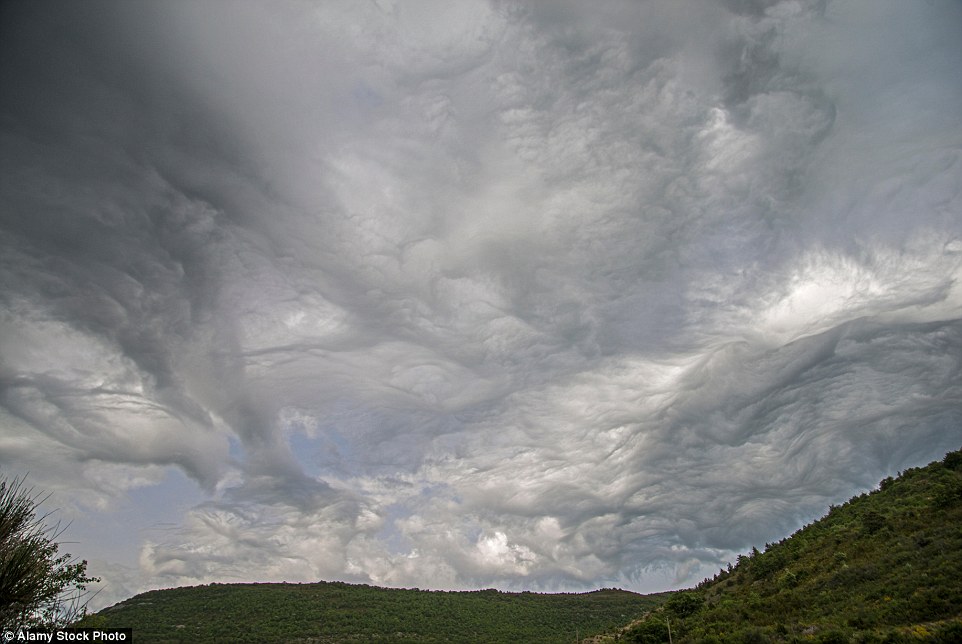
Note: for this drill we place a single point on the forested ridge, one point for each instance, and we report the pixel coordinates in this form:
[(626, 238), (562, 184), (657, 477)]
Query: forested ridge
[(340, 612), (885, 566)]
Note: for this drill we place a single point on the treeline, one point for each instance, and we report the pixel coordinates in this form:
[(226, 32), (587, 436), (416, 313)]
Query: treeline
[(884, 567), (340, 612)]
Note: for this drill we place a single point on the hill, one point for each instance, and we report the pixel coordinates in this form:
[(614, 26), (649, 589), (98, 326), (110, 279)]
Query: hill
[(884, 567), (340, 612)]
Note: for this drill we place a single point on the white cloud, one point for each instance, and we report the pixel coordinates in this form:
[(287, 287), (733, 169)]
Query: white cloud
[(463, 294)]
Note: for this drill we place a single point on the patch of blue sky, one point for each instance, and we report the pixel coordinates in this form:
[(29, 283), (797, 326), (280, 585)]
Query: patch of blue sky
[(151, 512), (389, 535), (365, 96)]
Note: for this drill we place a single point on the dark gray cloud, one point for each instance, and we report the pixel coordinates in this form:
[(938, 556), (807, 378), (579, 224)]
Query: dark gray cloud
[(470, 294)]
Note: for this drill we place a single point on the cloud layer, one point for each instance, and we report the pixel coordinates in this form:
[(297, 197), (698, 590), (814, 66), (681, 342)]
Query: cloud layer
[(455, 295)]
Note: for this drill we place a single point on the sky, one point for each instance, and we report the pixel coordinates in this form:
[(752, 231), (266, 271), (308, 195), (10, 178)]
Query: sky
[(544, 296)]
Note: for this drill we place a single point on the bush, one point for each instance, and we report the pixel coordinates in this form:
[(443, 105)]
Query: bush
[(872, 522), (753, 635), (651, 631), (684, 603), (833, 636), (787, 580), (38, 588), (951, 632)]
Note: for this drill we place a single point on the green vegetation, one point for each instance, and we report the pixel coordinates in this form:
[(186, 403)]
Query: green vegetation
[(883, 567), (38, 587), (339, 612)]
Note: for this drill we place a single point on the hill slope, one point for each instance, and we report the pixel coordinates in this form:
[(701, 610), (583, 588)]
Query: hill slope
[(339, 612), (883, 567)]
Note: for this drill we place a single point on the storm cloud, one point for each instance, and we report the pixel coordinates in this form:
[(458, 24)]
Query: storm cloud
[(468, 294)]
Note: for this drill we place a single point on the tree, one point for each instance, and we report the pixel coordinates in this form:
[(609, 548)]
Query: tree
[(684, 603), (38, 587)]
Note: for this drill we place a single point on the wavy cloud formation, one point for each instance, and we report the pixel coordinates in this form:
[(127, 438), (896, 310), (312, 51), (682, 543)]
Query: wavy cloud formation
[(455, 295)]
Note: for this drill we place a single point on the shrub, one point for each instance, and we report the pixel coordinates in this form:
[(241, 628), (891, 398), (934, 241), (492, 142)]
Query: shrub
[(651, 631), (787, 580), (872, 522), (38, 588)]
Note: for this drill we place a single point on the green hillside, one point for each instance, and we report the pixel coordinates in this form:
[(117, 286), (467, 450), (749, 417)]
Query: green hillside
[(339, 612), (883, 567)]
